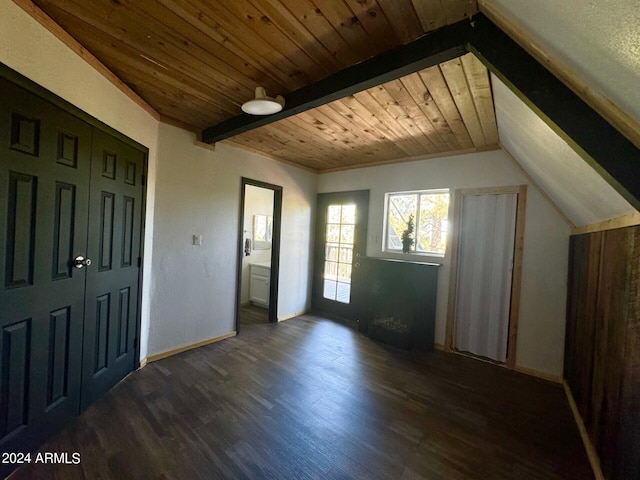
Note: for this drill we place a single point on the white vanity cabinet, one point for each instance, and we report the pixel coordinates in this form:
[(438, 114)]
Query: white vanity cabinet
[(259, 284)]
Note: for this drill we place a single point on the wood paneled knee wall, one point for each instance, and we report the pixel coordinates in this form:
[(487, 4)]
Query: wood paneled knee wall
[(602, 346)]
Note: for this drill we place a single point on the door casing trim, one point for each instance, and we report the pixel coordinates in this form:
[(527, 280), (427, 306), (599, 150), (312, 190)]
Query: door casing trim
[(516, 279), (318, 251), (275, 247)]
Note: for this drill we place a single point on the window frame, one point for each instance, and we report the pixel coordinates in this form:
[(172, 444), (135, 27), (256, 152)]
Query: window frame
[(385, 229)]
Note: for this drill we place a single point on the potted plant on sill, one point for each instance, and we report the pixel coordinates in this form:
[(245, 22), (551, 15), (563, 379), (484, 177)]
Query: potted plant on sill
[(407, 236)]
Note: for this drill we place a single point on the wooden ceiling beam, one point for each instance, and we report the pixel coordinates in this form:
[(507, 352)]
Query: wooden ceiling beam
[(439, 46), (604, 147)]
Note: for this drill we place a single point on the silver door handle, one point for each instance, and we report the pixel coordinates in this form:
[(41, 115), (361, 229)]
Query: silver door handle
[(80, 262)]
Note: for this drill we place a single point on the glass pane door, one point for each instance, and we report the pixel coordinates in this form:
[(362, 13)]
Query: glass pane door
[(341, 230), (338, 252)]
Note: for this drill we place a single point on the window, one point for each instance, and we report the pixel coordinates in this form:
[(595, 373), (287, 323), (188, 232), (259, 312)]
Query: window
[(340, 237), (429, 209)]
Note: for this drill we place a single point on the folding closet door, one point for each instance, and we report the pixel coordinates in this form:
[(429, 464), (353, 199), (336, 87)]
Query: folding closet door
[(484, 274)]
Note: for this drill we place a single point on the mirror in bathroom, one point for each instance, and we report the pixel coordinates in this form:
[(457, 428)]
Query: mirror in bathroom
[(262, 230)]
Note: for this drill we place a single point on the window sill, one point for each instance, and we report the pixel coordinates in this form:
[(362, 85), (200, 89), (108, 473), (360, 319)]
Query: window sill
[(413, 256)]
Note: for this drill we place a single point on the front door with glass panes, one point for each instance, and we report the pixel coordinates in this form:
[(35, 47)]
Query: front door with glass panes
[(341, 231)]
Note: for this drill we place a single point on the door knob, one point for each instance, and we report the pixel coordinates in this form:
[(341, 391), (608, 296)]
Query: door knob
[(80, 262)]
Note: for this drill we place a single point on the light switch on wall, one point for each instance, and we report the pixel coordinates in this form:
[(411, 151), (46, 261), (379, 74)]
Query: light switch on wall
[(197, 239)]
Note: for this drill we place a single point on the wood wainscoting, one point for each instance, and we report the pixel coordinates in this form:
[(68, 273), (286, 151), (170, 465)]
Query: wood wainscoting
[(602, 354)]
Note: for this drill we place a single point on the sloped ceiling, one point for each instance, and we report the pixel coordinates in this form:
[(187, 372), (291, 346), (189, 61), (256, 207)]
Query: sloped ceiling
[(594, 46), (575, 187)]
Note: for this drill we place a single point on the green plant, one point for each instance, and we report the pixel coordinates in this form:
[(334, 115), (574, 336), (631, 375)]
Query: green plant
[(407, 235)]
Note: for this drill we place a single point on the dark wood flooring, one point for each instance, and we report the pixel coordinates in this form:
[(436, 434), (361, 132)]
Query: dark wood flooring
[(251, 314), (312, 399)]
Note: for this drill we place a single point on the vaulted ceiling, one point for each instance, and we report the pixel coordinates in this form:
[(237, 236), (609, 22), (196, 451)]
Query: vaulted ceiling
[(196, 61)]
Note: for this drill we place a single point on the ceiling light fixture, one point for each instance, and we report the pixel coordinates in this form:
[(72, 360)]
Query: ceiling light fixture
[(263, 105)]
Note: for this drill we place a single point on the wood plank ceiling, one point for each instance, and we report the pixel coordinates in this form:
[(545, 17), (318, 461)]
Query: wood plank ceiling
[(196, 61)]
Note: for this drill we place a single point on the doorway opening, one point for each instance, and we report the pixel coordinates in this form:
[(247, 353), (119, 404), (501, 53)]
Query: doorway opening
[(258, 259)]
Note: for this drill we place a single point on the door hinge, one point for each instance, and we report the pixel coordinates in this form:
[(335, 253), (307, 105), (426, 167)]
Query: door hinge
[(139, 262), (143, 180)]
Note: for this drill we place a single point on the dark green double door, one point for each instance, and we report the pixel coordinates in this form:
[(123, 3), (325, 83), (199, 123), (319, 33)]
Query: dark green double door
[(67, 334)]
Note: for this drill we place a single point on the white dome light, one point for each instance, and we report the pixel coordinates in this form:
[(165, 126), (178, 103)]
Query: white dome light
[(263, 105)]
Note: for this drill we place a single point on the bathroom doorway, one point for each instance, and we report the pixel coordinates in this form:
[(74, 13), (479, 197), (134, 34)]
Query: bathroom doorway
[(259, 253)]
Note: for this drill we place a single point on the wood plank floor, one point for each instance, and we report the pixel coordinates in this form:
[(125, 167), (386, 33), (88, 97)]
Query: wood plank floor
[(312, 399), (251, 314)]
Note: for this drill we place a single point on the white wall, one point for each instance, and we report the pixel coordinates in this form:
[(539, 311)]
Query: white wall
[(542, 309), (257, 201), (198, 192), (31, 50)]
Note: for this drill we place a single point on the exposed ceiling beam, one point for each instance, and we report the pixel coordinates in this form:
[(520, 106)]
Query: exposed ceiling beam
[(607, 150), (436, 47)]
